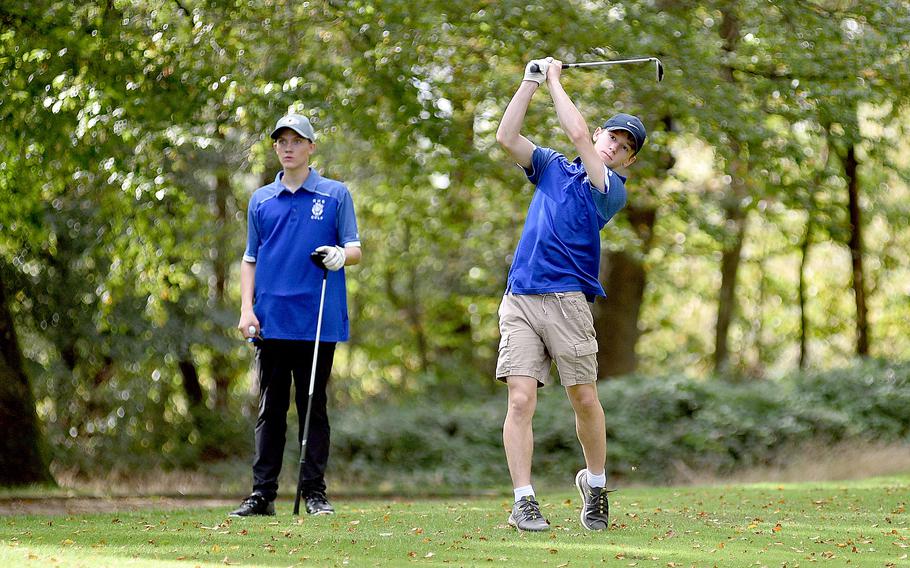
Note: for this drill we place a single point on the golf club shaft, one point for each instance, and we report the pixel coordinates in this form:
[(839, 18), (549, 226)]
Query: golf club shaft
[(608, 62), (660, 68), (309, 402)]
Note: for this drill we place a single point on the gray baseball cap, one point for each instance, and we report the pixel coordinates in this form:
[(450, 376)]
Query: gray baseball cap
[(630, 124), (296, 122)]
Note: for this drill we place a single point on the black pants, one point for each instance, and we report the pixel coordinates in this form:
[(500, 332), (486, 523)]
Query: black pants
[(277, 361)]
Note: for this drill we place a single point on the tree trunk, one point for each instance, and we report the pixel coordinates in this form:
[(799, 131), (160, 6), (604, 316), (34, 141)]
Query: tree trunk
[(220, 365), (616, 317), (803, 318), (856, 253), (736, 217), (726, 302), (21, 460), (191, 385)]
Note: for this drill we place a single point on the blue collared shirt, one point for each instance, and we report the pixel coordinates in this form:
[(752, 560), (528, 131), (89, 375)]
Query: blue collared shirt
[(283, 228), (559, 250)]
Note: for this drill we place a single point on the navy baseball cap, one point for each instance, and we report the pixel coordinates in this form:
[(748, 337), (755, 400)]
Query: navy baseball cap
[(630, 124), (296, 122)]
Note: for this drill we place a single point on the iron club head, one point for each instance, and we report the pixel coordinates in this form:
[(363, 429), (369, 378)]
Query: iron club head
[(660, 69)]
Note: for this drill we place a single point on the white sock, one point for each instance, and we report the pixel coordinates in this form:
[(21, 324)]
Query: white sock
[(523, 492), (597, 480)]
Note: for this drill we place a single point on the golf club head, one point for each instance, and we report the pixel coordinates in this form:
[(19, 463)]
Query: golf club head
[(317, 257), (660, 69)]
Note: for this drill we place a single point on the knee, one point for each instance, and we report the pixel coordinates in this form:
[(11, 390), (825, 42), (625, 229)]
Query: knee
[(586, 402), (521, 405)]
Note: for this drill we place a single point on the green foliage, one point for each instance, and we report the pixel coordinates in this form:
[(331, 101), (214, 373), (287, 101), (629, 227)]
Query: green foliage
[(657, 428)]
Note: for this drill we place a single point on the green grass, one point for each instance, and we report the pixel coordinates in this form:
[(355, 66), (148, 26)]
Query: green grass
[(855, 523)]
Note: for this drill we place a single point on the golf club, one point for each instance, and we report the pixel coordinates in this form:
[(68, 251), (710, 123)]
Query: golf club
[(317, 258), (659, 66)]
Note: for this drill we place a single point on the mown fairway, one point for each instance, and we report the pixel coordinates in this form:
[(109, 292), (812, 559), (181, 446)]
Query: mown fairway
[(857, 523)]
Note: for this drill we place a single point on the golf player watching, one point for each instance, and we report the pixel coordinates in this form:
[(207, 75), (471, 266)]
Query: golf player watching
[(297, 214), (545, 314)]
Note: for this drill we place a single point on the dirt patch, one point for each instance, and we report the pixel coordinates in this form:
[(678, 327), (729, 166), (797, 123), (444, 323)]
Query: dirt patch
[(852, 461), (83, 505)]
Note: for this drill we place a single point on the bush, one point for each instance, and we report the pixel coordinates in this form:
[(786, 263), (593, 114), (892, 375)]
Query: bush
[(656, 428)]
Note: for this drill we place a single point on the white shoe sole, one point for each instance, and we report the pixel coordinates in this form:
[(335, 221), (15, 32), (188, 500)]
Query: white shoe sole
[(515, 524)]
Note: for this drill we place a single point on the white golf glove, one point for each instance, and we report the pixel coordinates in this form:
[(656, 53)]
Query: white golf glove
[(334, 257), (541, 75)]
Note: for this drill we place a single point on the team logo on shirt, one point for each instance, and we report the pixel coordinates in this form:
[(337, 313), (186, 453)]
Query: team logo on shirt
[(318, 208)]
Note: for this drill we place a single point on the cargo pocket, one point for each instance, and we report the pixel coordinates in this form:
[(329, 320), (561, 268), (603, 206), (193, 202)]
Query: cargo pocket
[(503, 362), (586, 361)]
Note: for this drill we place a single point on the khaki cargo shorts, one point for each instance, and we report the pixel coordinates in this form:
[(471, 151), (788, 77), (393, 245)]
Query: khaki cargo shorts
[(537, 330)]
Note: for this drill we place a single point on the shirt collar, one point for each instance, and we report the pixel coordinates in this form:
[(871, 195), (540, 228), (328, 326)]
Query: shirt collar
[(309, 184), (577, 161)]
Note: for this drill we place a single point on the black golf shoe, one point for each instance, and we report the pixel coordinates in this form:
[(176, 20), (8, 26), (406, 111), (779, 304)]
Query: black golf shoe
[(254, 505), (318, 504)]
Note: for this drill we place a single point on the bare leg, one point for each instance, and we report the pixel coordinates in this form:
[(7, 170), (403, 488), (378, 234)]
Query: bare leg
[(517, 432), (590, 425)]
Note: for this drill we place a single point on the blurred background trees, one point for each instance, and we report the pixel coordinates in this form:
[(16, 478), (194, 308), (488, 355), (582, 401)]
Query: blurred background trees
[(766, 230)]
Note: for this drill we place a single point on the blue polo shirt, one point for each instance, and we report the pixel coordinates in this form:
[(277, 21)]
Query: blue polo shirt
[(283, 228), (559, 249)]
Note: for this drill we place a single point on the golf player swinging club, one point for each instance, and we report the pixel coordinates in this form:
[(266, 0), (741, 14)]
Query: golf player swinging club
[(545, 315)]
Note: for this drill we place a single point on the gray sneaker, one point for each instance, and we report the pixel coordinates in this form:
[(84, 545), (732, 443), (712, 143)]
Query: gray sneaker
[(526, 515), (595, 510)]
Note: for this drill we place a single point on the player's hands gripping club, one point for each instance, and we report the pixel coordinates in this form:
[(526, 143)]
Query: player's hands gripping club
[(334, 257), (536, 70)]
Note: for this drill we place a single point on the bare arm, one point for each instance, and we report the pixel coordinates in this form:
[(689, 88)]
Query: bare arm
[(247, 285), (352, 255), (509, 132), (574, 125)]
